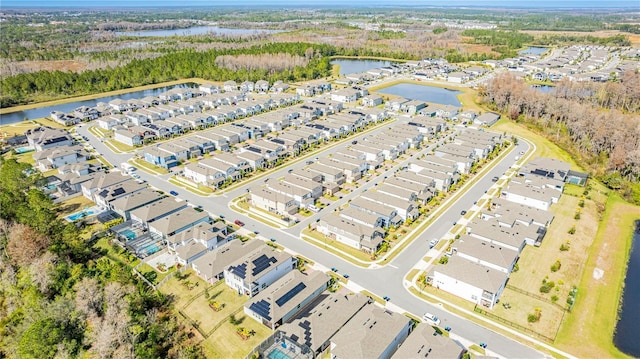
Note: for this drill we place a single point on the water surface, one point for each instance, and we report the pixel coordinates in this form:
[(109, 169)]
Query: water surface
[(626, 337), (424, 93)]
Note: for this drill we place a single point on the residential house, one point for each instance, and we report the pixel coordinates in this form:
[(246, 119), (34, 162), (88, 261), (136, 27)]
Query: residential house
[(156, 210), (177, 222), (404, 208), (104, 197), (211, 265), (124, 205), (258, 269), (195, 241), (488, 254), (270, 200), (54, 157), (41, 138), (102, 181), (287, 296), (351, 233), (315, 326), (487, 119), (424, 342), (469, 280), (372, 333), (372, 100)]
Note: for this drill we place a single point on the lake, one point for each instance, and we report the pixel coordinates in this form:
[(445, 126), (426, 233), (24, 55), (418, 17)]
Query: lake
[(68, 107), (626, 337), (534, 50), (357, 66), (196, 30), (424, 93)]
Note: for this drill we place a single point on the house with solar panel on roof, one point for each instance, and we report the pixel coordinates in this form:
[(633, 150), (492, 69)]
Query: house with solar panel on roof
[(283, 299), (258, 269)]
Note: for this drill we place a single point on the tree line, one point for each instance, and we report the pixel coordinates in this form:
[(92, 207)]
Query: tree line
[(47, 85), (63, 298), (597, 123)]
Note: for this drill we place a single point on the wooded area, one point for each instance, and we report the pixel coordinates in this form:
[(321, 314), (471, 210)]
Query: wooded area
[(60, 297), (597, 122)]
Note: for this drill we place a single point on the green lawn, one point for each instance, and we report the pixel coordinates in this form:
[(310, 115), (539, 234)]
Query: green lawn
[(148, 167), (588, 331), (119, 146)]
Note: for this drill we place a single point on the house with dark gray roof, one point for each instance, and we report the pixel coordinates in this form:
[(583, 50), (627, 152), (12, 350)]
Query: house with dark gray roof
[(287, 296), (315, 326), (211, 265)]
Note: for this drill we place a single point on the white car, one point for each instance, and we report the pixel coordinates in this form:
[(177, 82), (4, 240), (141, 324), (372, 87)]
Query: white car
[(431, 319)]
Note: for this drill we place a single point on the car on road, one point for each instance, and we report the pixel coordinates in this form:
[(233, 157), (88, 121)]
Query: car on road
[(386, 298), (221, 216), (433, 243), (334, 269), (431, 319), (290, 170), (495, 179), (256, 232), (313, 208), (463, 212), (521, 152), (272, 239), (239, 222), (354, 142), (173, 193), (483, 345), (346, 276)]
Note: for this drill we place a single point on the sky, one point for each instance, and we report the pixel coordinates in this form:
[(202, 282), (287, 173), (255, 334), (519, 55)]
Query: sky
[(354, 3)]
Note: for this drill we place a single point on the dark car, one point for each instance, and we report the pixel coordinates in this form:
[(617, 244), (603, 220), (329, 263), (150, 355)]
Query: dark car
[(346, 276), (494, 179), (239, 222), (386, 298), (463, 212), (334, 269), (354, 142), (173, 193)]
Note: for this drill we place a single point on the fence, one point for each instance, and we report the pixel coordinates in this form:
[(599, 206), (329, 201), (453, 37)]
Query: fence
[(539, 297), (514, 325)]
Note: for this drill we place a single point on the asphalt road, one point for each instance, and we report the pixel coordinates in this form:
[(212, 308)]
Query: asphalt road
[(384, 280)]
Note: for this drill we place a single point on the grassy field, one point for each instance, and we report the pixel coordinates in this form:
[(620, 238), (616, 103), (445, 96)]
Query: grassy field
[(72, 205), (598, 254), (588, 331)]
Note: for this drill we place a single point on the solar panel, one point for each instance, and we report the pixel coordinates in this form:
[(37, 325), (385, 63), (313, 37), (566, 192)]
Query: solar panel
[(118, 191), (290, 294), (261, 263), (240, 271), (261, 308), (104, 193)]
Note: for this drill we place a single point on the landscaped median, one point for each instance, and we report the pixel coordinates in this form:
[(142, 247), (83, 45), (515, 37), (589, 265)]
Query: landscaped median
[(203, 191), (118, 147), (148, 167)]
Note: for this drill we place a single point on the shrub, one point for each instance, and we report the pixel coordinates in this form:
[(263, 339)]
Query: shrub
[(572, 230), (516, 268), (444, 260), (554, 298), (577, 216), (564, 246), (532, 318), (556, 266), (581, 203), (547, 286)]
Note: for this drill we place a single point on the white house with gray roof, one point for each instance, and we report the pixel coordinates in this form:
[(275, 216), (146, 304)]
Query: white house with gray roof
[(211, 265), (258, 269), (469, 280), (351, 233), (424, 342), (492, 255)]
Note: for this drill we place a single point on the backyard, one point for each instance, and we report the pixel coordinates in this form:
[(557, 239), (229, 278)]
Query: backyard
[(216, 311)]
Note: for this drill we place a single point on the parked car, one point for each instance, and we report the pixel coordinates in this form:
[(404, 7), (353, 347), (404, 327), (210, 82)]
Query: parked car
[(431, 319), (386, 298), (346, 276), (433, 243), (463, 212), (334, 269), (173, 193), (354, 142), (494, 179), (239, 222)]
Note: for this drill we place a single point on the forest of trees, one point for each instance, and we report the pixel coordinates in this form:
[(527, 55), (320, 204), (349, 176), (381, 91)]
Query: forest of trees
[(598, 123), (47, 85), (62, 298)]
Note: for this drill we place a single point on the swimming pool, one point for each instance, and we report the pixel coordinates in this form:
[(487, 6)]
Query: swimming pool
[(278, 354), (88, 212), (21, 150), (128, 234), (150, 249)]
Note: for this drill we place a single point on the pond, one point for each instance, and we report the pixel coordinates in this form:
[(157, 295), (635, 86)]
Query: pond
[(534, 50), (543, 88), (348, 66), (626, 337), (196, 30), (40, 112), (424, 93)]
